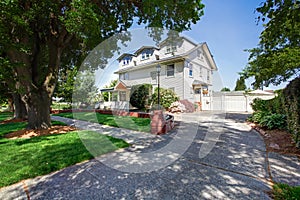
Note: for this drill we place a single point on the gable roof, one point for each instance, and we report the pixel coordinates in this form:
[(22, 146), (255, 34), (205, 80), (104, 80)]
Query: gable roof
[(145, 47), (180, 38), (124, 55), (210, 57), (120, 86)]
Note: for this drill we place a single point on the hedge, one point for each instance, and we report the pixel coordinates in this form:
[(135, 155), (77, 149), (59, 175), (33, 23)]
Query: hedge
[(291, 95)]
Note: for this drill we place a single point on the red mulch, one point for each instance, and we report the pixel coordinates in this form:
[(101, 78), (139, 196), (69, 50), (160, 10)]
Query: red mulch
[(34, 133), (12, 121), (279, 141)]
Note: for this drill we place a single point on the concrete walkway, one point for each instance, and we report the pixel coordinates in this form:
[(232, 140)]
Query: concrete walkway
[(208, 156)]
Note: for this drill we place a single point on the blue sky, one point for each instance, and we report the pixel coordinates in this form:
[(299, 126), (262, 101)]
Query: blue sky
[(229, 27)]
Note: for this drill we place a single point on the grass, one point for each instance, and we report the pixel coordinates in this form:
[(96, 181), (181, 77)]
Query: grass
[(60, 106), (133, 123), (285, 192), (12, 127), (27, 158), (5, 115)]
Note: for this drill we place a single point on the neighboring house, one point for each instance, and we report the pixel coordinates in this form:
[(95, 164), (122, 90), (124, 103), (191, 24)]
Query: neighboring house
[(186, 68)]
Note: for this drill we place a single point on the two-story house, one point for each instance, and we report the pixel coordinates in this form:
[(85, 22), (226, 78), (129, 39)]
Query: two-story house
[(186, 68)]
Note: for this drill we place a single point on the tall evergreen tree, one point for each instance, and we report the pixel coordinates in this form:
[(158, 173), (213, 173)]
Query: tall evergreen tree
[(240, 84)]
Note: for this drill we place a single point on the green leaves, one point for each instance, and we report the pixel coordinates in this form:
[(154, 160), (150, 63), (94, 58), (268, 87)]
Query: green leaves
[(276, 59)]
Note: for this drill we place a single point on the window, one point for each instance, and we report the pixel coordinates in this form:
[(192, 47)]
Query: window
[(200, 71), (199, 55), (197, 91), (171, 48), (190, 70), (146, 54), (170, 70), (208, 75), (122, 96), (125, 62), (153, 75), (124, 76)]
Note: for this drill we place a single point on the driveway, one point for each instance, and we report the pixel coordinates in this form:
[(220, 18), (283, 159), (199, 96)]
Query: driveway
[(208, 156)]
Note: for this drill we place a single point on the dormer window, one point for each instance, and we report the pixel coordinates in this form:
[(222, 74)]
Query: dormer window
[(125, 62), (145, 55), (125, 59)]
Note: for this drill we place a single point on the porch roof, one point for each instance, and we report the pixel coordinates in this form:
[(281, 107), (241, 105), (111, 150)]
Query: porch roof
[(107, 89), (198, 82)]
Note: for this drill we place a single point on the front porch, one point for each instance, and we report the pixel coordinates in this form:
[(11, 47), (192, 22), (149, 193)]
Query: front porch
[(118, 98), (201, 95)]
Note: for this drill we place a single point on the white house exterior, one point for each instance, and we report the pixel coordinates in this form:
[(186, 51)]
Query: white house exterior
[(186, 68)]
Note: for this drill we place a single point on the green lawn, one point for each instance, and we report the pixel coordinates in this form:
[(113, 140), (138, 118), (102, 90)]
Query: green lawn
[(286, 192), (5, 116), (133, 123), (27, 158)]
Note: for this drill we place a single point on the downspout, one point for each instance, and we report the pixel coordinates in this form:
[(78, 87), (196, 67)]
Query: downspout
[(183, 78)]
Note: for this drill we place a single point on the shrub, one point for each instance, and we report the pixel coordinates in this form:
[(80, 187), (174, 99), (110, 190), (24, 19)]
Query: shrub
[(139, 95), (291, 95), (258, 116), (273, 121), (258, 104), (177, 107), (167, 97)]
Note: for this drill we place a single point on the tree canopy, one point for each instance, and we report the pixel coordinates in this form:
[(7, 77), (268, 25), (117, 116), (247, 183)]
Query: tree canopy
[(240, 84), (277, 57), (39, 38), (225, 89)]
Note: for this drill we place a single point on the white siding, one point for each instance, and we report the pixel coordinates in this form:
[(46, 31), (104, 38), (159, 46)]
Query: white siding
[(182, 46), (175, 82)]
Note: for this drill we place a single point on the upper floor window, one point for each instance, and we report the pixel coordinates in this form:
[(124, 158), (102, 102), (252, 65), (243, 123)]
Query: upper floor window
[(171, 49), (124, 76), (208, 75), (200, 71), (170, 70), (199, 54), (146, 54), (125, 61), (191, 70)]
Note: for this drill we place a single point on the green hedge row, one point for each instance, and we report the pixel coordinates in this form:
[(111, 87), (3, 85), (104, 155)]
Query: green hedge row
[(291, 98), (281, 112)]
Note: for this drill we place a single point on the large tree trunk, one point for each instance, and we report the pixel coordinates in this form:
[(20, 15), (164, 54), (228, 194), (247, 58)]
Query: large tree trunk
[(20, 111), (38, 108)]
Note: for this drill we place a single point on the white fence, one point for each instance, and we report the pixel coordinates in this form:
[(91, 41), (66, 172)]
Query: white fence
[(236, 101)]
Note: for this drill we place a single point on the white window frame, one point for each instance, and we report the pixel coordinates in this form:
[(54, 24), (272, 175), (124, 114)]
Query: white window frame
[(190, 70), (208, 75), (122, 96), (168, 70), (124, 76), (200, 71), (171, 49), (145, 55)]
